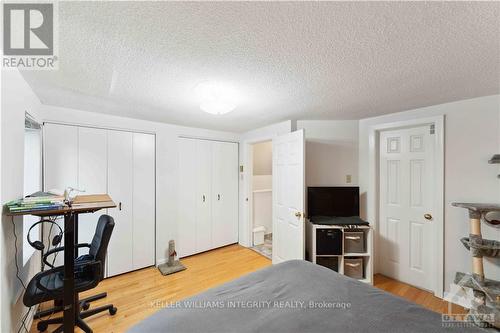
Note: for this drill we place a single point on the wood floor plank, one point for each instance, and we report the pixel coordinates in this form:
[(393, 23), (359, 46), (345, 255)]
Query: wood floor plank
[(141, 293)]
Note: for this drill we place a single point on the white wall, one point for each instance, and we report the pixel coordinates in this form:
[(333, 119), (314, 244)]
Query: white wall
[(17, 97), (167, 165), (263, 210), (331, 151), (246, 141), (263, 158), (472, 135), (264, 182)]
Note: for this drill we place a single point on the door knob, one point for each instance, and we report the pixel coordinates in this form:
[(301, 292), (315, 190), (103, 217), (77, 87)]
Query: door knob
[(298, 214), (428, 216)]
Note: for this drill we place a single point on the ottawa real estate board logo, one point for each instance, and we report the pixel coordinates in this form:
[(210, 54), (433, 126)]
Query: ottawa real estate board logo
[(29, 41)]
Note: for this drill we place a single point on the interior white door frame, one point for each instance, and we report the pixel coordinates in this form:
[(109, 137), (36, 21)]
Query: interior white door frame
[(245, 238), (374, 190)]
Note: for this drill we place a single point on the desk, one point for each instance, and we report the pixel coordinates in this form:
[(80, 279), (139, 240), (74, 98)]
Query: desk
[(83, 204)]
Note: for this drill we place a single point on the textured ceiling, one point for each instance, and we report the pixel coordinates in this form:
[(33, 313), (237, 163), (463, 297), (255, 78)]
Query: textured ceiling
[(309, 60)]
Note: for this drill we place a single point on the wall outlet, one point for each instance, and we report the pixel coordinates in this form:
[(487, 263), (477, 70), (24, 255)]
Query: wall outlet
[(348, 179)]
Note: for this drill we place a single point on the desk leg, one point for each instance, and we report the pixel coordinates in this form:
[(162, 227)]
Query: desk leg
[(69, 277), (75, 225)]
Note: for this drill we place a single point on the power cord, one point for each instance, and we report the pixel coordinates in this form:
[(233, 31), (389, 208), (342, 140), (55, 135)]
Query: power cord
[(23, 322), (25, 317)]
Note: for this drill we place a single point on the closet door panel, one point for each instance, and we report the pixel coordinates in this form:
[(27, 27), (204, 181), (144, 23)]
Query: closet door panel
[(60, 156), (60, 164), (188, 196), (225, 194), (204, 198), (92, 175), (143, 200), (120, 188)]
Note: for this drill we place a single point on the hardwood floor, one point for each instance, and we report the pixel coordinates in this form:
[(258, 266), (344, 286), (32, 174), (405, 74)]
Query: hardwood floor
[(137, 294), (415, 295)]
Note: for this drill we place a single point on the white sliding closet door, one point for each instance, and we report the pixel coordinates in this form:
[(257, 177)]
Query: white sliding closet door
[(119, 163), (60, 165), (144, 200), (186, 239), (208, 195), (120, 188), (224, 194), (60, 156), (92, 175), (203, 175)]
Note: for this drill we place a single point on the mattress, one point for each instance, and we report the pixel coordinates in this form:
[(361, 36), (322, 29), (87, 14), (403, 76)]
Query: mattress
[(294, 296)]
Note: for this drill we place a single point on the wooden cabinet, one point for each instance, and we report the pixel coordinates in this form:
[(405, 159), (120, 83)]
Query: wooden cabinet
[(208, 195), (119, 163)]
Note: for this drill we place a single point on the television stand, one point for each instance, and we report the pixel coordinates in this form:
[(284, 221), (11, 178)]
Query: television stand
[(328, 244)]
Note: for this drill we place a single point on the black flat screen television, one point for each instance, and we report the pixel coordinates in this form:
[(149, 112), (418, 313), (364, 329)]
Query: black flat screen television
[(333, 201)]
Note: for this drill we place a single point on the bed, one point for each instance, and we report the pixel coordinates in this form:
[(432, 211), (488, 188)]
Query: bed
[(294, 296)]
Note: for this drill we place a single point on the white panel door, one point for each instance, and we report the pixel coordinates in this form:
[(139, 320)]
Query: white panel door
[(144, 200), (406, 182), (92, 174), (60, 163), (60, 156), (120, 188), (288, 197), (224, 194), (203, 175), (188, 197)]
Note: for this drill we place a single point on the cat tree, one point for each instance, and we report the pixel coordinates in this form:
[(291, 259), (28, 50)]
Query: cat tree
[(486, 309)]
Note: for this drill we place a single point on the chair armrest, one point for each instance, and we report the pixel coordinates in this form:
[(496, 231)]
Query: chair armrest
[(93, 270), (58, 249)]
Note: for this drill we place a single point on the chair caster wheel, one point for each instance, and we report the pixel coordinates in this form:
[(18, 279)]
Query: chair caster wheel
[(113, 310), (42, 327), (85, 306)]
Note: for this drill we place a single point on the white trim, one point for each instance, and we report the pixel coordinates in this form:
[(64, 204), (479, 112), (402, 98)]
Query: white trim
[(206, 138), (373, 188), (110, 128), (246, 235)]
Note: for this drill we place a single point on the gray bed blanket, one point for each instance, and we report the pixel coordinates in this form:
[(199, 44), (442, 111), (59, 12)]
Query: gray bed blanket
[(295, 296)]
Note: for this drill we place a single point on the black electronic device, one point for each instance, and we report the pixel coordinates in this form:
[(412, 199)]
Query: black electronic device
[(339, 201)]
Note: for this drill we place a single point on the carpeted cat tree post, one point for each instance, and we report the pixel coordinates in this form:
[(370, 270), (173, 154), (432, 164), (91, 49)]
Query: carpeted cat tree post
[(172, 265), (486, 291)]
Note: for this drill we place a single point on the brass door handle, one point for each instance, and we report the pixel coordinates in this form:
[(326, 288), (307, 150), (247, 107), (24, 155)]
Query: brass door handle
[(428, 216), (298, 214)]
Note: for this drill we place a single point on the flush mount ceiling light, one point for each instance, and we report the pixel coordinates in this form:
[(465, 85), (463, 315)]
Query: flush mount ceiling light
[(216, 97)]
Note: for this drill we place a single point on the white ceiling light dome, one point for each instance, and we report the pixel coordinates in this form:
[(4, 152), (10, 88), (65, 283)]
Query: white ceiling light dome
[(216, 97)]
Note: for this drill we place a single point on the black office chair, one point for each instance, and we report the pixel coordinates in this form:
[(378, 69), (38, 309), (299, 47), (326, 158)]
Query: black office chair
[(48, 285), (58, 304)]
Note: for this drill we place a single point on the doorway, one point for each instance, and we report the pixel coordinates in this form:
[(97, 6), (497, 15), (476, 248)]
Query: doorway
[(407, 167), (262, 198)]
